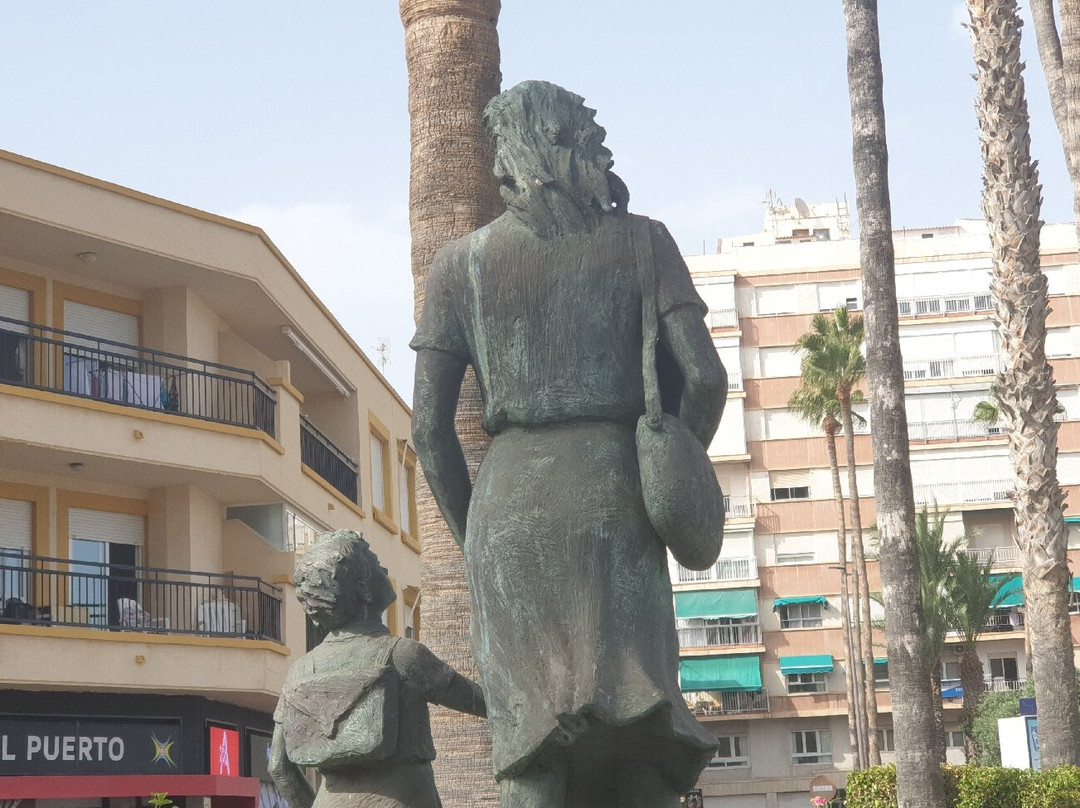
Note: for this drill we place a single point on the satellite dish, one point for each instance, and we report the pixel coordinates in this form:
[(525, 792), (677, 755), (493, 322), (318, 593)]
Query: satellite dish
[(802, 207)]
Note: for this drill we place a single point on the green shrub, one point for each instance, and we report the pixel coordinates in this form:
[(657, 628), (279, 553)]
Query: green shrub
[(991, 787), (993, 706), (872, 788), (1054, 788)]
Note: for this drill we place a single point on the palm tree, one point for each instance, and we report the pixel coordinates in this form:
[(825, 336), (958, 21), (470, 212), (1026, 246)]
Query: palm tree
[(452, 56), (1025, 390), (937, 558), (918, 775), (821, 408), (833, 360), (973, 590)]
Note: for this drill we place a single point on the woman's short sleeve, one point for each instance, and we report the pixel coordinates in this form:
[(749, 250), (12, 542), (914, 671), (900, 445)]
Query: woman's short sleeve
[(441, 327), (674, 288)]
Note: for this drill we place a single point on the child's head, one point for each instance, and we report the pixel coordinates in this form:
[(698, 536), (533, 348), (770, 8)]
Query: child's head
[(340, 580)]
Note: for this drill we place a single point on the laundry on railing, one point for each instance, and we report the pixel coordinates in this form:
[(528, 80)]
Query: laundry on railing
[(103, 380)]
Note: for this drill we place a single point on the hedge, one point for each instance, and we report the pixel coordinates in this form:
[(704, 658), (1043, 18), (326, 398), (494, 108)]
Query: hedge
[(974, 787)]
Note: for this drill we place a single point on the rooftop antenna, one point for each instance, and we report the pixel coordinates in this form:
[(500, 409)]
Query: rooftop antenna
[(382, 352), (802, 208)]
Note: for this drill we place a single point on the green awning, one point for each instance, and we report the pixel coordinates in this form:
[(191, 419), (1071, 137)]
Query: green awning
[(814, 663), (1072, 520), (1011, 592), (881, 660), (804, 599), (717, 603), (720, 673)]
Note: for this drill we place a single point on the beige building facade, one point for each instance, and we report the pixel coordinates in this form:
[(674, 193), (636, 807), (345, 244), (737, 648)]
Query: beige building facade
[(179, 417), (763, 658)]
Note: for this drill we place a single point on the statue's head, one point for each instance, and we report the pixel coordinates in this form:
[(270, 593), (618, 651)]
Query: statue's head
[(339, 580), (546, 140)]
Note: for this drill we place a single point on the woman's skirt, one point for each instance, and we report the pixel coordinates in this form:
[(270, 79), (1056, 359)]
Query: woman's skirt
[(572, 621)]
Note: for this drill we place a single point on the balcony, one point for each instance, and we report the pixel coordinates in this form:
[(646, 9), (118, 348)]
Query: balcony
[(1004, 685), (727, 702), (718, 636), (951, 367), (964, 493), (734, 380), (998, 556), (738, 507), (725, 569), (952, 430), (36, 590), (319, 453), (723, 318), (1005, 620), (83, 366), (946, 304)]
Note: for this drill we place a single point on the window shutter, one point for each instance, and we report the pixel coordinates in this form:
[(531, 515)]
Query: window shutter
[(114, 528), (17, 517), (101, 323), (789, 479), (14, 303)]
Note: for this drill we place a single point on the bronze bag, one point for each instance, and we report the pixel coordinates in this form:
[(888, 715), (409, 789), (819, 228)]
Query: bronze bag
[(682, 495)]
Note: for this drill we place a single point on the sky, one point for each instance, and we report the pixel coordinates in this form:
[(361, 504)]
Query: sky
[(293, 117)]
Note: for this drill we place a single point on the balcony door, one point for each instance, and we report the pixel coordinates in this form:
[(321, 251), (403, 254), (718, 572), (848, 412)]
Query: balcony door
[(105, 548), (16, 524), (99, 369), (14, 346)]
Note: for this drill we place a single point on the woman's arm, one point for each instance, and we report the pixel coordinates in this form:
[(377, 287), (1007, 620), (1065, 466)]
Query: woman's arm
[(287, 776), (435, 398), (705, 390)]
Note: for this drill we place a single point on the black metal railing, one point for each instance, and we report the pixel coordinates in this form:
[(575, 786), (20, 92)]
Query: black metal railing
[(45, 358), (319, 453), (38, 590)]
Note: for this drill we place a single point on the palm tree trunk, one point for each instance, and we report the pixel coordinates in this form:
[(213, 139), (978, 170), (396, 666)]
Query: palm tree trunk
[(918, 774), (939, 711), (452, 55), (845, 609), (1060, 57), (971, 680), (862, 586), (1026, 391)]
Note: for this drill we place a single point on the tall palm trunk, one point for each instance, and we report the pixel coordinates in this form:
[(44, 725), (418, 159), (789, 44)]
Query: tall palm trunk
[(854, 705), (452, 55), (939, 712), (971, 680), (862, 586), (1025, 391), (918, 774)]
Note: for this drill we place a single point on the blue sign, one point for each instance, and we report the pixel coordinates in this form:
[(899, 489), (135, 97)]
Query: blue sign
[(1033, 742), (1027, 707)]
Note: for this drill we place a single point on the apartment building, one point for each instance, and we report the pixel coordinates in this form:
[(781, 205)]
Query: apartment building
[(762, 653), (179, 417)]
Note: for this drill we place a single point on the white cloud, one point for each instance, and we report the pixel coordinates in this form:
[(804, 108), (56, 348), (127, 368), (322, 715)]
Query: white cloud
[(358, 267)]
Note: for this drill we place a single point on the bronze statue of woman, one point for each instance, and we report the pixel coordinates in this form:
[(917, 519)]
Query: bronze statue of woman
[(572, 621)]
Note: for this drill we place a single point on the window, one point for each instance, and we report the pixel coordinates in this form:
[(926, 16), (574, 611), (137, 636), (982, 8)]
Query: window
[(806, 557), (702, 632), (927, 235), (407, 497), (806, 682), (104, 549), (811, 746), (822, 234), (886, 741), (300, 534), (954, 739), (16, 537), (950, 675), (733, 751), (410, 605), (1074, 603), (881, 674), (800, 232), (784, 485), (1004, 668), (800, 615), (382, 486)]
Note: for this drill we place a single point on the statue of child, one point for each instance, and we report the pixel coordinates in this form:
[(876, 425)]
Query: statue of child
[(355, 707)]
